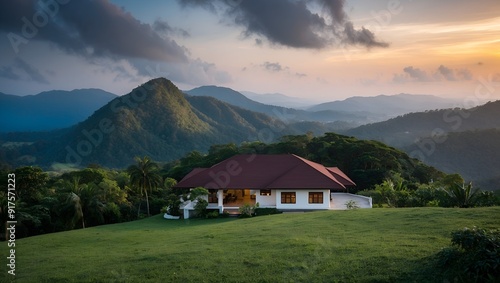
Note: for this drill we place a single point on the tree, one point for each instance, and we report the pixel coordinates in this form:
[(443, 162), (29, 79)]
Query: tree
[(30, 182), (462, 195), (83, 202), (72, 206), (145, 176)]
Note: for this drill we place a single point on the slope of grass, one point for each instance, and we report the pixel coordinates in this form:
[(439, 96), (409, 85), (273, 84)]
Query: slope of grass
[(373, 245)]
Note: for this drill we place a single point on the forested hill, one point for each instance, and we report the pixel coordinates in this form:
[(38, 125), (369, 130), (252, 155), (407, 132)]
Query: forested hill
[(474, 154), (366, 162), (155, 119), (406, 129)]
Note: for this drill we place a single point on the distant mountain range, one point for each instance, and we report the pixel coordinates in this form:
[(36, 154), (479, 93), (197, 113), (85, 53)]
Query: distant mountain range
[(464, 141), (155, 119), (279, 99), (407, 129), (159, 120), (49, 110), (474, 154), (285, 114), (388, 105)]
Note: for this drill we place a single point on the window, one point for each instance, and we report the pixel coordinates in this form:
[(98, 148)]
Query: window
[(288, 197), (315, 197), (212, 196), (265, 192)]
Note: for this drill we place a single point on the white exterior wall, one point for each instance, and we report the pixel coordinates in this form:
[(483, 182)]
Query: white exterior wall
[(302, 200), (266, 201)]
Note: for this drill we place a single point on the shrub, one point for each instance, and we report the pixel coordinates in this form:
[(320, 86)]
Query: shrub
[(247, 210), (213, 214), (224, 214), (173, 204), (351, 204), (474, 255), (259, 211), (200, 208)]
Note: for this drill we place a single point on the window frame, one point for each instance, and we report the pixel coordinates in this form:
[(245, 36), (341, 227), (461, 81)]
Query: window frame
[(316, 197), (288, 197)]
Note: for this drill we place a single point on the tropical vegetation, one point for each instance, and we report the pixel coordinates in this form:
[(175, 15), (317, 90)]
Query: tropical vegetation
[(51, 201)]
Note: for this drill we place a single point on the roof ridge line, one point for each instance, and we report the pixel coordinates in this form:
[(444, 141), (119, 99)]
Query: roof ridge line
[(331, 177)]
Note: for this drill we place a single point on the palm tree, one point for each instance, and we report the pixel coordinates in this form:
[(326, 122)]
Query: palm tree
[(83, 202), (73, 205), (145, 175), (461, 195)]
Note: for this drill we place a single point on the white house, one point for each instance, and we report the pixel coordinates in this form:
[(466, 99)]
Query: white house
[(286, 182)]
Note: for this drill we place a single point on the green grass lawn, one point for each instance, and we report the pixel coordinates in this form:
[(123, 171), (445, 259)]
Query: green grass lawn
[(371, 245)]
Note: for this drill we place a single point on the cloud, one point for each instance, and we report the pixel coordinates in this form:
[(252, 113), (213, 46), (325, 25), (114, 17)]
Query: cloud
[(292, 23), (447, 73), (273, 67), (416, 74), (276, 67), (412, 74), (362, 37), (109, 31), (163, 27), (97, 30)]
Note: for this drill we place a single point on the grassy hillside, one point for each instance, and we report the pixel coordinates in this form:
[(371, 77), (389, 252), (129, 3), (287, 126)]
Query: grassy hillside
[(373, 245)]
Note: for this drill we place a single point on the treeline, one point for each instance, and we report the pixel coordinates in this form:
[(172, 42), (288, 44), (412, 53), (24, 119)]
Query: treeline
[(367, 163), (450, 191), (49, 202)]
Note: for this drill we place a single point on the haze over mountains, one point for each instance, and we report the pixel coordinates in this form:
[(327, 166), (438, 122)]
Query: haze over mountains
[(285, 114), (49, 110), (279, 99), (389, 105)]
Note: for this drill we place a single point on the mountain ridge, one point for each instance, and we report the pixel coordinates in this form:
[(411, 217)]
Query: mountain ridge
[(154, 119), (49, 110), (392, 105)]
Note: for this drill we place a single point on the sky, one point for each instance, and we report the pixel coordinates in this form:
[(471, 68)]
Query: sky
[(321, 50)]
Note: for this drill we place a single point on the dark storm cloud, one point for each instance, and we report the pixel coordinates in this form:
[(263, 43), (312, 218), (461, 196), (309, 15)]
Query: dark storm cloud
[(87, 28), (362, 37), (292, 23), (281, 22)]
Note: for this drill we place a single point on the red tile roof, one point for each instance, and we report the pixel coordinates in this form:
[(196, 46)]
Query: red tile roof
[(341, 176), (285, 171)]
